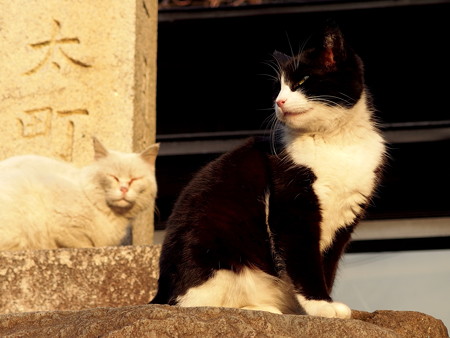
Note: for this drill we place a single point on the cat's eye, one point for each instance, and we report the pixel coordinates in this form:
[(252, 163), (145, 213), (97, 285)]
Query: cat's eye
[(299, 83), (134, 179), (114, 177), (118, 180)]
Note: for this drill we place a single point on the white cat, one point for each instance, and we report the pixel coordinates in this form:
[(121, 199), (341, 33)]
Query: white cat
[(46, 203)]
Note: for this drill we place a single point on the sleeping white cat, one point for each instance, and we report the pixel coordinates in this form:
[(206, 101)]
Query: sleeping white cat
[(46, 203)]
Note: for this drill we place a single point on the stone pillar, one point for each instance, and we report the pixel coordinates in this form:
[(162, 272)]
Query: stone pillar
[(74, 69)]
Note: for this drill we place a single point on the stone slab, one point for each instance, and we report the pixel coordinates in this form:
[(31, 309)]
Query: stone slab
[(69, 279), (75, 69)]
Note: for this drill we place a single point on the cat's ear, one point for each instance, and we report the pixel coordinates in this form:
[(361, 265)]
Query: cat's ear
[(149, 154), (332, 47), (99, 150), (280, 57)]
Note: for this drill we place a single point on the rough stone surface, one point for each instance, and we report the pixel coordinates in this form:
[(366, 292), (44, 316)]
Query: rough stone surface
[(166, 321), (405, 323), (75, 69), (105, 291), (74, 279)]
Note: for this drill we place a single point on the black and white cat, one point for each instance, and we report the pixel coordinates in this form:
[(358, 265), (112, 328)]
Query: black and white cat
[(264, 230)]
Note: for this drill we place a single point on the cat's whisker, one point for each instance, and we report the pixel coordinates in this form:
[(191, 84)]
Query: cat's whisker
[(275, 78), (349, 100), (347, 96), (300, 52), (329, 100), (265, 109), (157, 211), (269, 119), (274, 127), (273, 64), (290, 45), (275, 136), (272, 122)]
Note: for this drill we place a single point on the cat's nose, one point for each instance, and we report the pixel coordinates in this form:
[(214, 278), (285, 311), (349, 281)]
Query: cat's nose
[(280, 102), (123, 189)]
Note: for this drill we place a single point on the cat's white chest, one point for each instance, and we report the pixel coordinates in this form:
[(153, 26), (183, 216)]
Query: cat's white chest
[(345, 171)]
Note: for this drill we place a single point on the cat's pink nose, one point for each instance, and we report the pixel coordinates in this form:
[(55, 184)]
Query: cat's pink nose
[(123, 189), (281, 102)]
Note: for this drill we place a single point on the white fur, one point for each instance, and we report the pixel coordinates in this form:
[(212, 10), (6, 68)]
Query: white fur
[(342, 148), (250, 289), (46, 203), (323, 308)]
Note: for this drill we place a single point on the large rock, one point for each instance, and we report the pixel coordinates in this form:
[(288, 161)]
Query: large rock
[(166, 321), (104, 291)]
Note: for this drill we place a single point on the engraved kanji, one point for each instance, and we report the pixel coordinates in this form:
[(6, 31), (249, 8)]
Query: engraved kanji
[(54, 45), (36, 122), (51, 123)]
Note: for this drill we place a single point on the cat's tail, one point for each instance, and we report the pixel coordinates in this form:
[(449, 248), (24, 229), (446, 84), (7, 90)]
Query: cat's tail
[(163, 295)]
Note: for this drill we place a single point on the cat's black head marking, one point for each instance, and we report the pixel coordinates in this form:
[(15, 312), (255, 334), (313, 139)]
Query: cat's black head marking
[(326, 68)]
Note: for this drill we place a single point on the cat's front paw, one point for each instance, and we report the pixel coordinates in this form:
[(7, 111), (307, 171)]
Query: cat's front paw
[(323, 308)]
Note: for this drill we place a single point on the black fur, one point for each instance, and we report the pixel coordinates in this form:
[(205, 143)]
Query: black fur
[(334, 71), (219, 220)]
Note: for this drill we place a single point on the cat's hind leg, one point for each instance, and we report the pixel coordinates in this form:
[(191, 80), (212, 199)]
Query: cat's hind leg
[(249, 289)]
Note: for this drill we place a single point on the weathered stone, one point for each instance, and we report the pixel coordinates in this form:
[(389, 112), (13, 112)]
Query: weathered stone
[(105, 291), (75, 69), (405, 323), (71, 279), (167, 321)]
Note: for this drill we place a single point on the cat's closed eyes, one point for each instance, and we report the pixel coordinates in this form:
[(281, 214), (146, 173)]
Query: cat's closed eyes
[(46, 203), (263, 227)]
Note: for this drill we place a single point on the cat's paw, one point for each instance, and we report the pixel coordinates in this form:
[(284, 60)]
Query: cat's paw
[(323, 308)]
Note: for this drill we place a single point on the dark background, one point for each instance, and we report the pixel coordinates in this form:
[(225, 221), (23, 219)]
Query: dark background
[(211, 66)]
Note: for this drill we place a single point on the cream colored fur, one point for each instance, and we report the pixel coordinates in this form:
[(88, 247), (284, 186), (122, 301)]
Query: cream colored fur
[(250, 289), (46, 203)]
